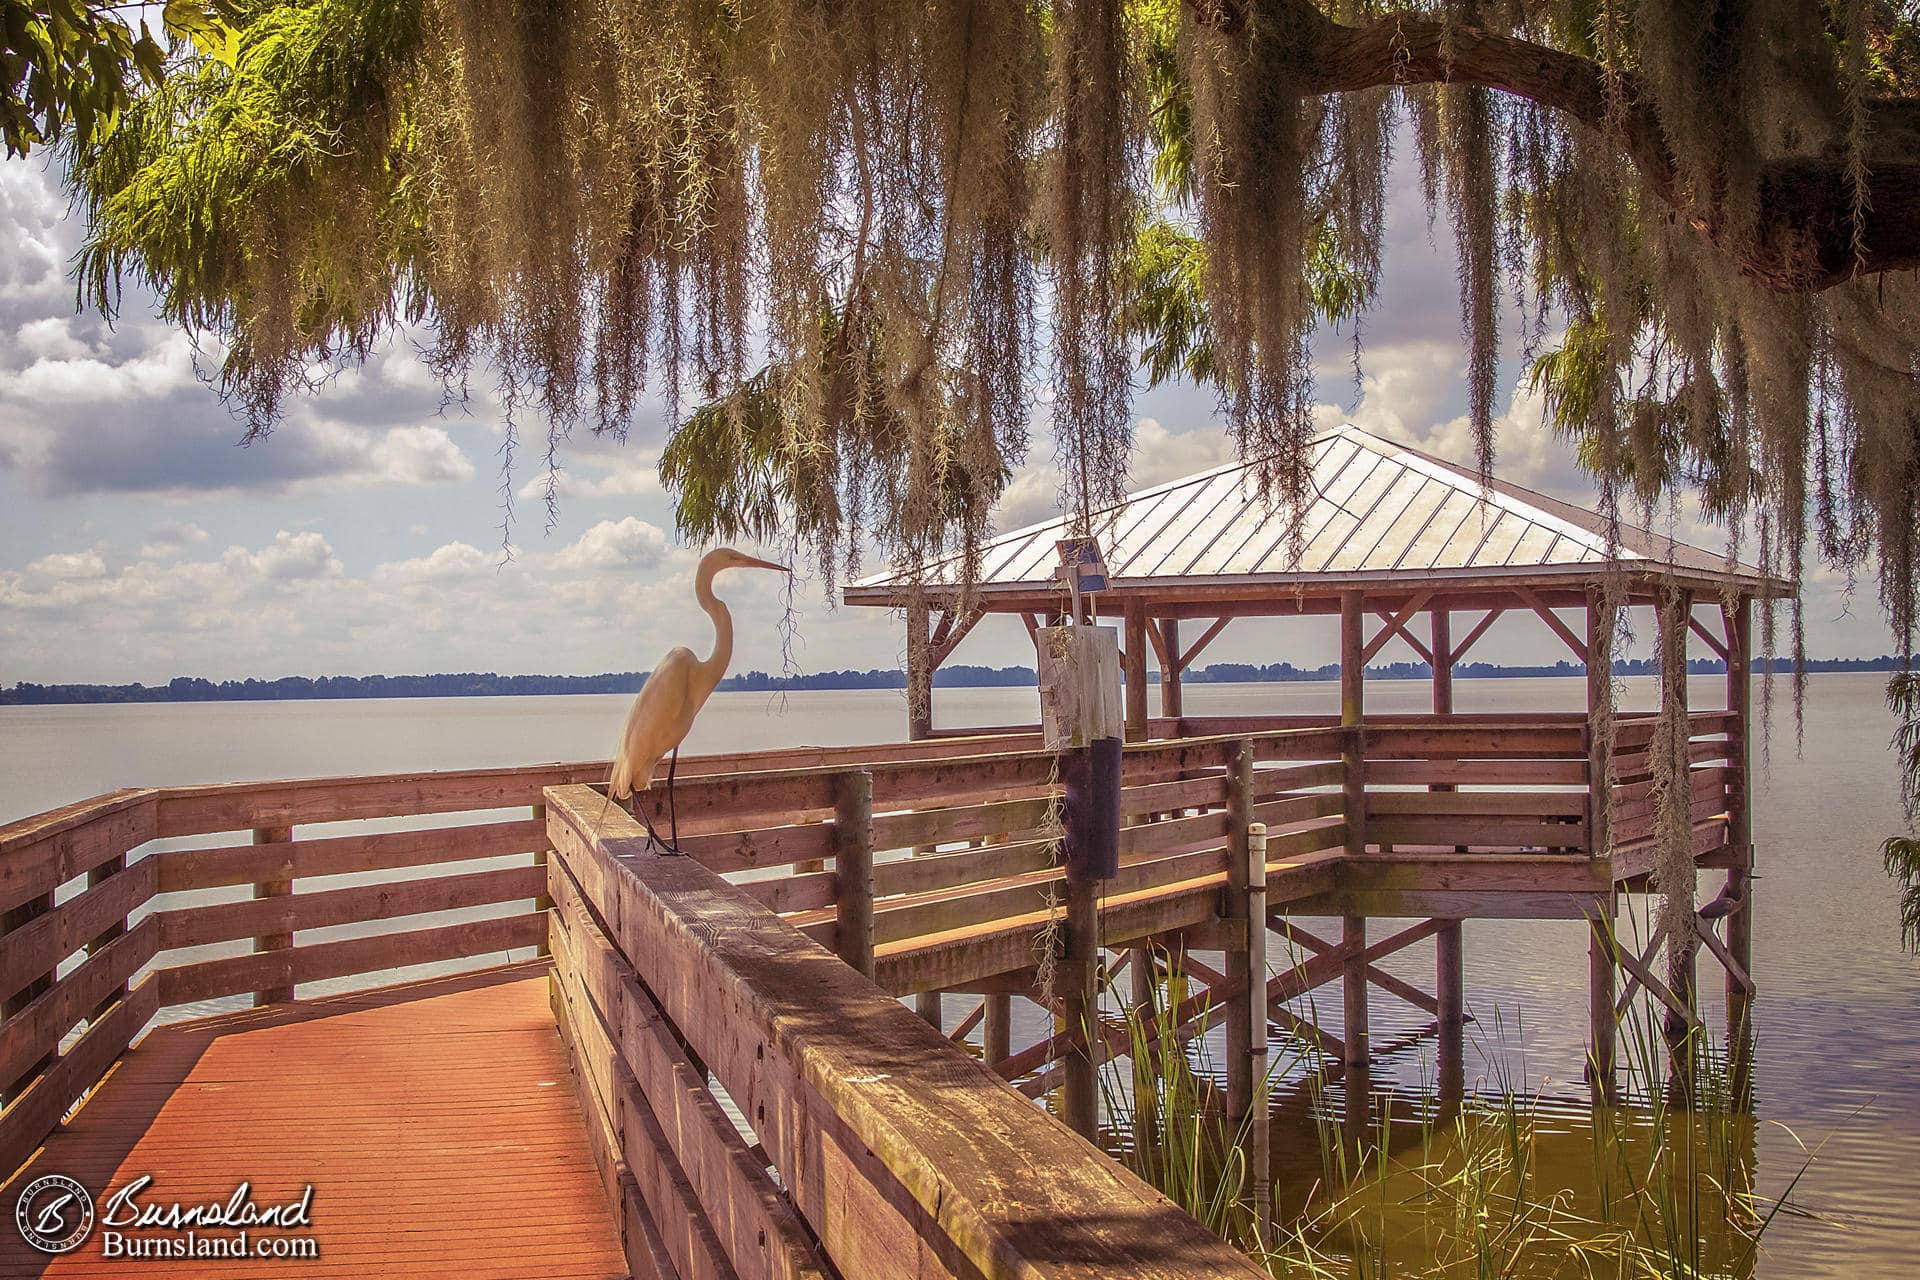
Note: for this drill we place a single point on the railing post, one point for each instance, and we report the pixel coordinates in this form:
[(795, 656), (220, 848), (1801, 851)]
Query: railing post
[(275, 887), (99, 875), (853, 867), (544, 902), (18, 918)]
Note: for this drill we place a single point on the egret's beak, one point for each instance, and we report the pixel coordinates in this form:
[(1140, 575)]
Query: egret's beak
[(748, 562)]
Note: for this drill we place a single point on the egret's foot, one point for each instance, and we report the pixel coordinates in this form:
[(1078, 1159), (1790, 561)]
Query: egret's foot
[(656, 845)]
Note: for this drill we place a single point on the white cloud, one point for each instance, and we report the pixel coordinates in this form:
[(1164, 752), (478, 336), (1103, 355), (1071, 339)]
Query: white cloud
[(86, 379), (416, 456), (50, 338), (452, 561), (171, 538), (70, 565), (289, 557), (606, 475), (625, 544), (1160, 454)]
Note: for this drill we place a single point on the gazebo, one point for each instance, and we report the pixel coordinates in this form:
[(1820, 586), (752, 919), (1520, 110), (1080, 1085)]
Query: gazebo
[(1397, 535), (1392, 532)]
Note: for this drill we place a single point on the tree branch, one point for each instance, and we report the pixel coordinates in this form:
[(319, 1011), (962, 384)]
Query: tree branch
[(1805, 237)]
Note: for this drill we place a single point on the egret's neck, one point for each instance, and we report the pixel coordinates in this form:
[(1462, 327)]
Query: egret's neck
[(716, 663)]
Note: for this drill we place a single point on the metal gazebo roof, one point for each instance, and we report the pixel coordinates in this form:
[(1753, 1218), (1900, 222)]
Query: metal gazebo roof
[(1384, 516)]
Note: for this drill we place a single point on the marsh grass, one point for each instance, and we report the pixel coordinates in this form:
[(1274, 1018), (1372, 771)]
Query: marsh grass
[(1503, 1181)]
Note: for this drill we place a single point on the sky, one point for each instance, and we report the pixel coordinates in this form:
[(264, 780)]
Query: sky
[(139, 540)]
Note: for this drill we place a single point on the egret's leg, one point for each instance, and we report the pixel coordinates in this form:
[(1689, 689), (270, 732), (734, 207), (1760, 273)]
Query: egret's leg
[(646, 820), (673, 815)]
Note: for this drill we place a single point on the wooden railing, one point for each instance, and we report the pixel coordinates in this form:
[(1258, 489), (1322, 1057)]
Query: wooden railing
[(151, 903), (875, 1148), (1711, 745)]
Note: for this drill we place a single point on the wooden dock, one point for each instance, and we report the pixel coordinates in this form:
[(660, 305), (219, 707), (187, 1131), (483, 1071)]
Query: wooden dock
[(714, 1077), (437, 1121)]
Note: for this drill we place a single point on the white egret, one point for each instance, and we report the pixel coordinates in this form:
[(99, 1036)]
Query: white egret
[(671, 698)]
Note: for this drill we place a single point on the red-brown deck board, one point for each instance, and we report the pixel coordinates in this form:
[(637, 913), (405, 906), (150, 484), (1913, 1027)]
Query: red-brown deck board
[(437, 1122)]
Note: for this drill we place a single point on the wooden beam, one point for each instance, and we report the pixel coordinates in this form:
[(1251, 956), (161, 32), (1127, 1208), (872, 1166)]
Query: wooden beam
[(1552, 619), (1736, 972), (1679, 1008), (966, 1024), (1206, 638), (1396, 624), (1714, 642), (953, 633), (1476, 631), (1624, 1000)]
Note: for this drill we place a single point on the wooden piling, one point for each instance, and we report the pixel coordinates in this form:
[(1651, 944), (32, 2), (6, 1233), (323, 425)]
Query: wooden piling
[(1079, 976), (1254, 1119), (1673, 612), (853, 868), (274, 888), (1246, 1007), (1603, 1027), (1738, 617), (1353, 989), (996, 1033)]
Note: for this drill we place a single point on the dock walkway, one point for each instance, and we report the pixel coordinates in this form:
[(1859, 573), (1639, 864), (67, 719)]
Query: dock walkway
[(437, 1122)]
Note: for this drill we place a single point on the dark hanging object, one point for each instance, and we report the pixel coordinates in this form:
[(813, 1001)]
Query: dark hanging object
[(1092, 822)]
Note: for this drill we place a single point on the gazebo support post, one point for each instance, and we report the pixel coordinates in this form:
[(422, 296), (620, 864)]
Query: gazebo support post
[(1449, 951), (1170, 673), (1135, 644), (1672, 611), (1353, 759), (920, 725), (1602, 1026)]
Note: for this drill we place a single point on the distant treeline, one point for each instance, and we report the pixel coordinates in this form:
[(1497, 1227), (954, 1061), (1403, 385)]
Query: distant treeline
[(486, 684)]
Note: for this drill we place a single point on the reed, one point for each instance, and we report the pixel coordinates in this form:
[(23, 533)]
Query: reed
[(1476, 1185)]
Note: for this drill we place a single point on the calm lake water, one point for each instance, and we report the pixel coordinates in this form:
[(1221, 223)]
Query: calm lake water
[(1837, 1019)]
